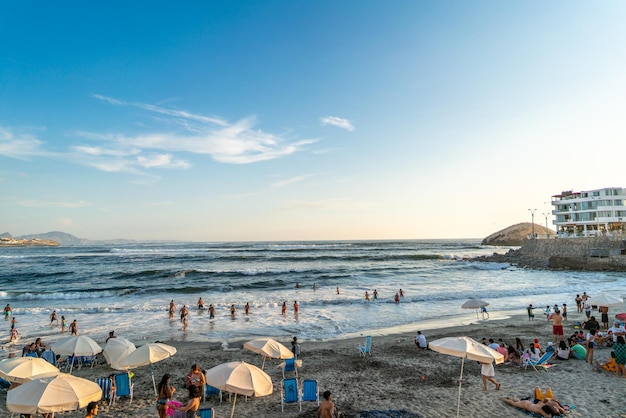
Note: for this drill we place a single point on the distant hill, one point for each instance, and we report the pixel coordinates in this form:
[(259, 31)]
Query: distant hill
[(516, 235), (62, 238)]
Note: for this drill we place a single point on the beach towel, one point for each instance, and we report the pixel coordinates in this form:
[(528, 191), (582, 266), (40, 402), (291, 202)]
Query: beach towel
[(170, 411), (389, 414)]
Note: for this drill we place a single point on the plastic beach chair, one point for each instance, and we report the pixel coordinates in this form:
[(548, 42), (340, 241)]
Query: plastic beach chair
[(289, 393), (206, 413), (123, 386), (310, 392), (50, 357), (290, 366), (210, 390), (107, 393), (367, 348), (542, 362)]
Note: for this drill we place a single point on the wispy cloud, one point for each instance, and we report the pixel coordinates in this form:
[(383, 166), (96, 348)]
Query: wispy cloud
[(224, 142), (19, 145), (292, 180), (338, 122), (31, 203)]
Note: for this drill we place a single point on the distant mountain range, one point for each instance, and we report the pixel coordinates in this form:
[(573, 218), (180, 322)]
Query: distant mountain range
[(64, 238)]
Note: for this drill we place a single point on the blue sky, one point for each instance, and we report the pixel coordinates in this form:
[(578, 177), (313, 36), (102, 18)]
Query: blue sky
[(292, 120)]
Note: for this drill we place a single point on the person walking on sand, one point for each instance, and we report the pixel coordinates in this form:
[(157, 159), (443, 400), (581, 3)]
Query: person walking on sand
[(74, 328), (484, 312), (557, 325), (531, 314), (488, 373), (53, 318)]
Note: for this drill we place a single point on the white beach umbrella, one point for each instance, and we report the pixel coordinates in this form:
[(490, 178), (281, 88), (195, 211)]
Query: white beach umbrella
[(474, 304), (606, 300), (117, 349), (76, 345), (22, 369), (465, 347), (50, 394), (144, 356), (240, 378), (268, 348)]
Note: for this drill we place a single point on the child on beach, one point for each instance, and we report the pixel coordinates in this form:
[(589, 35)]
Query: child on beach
[(488, 373)]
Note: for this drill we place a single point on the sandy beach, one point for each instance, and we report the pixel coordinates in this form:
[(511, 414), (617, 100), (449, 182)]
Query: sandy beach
[(397, 376)]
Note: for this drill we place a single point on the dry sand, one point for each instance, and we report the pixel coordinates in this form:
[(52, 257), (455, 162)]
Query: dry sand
[(397, 376)]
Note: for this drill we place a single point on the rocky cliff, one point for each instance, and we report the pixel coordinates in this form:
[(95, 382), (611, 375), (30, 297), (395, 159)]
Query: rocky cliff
[(516, 235)]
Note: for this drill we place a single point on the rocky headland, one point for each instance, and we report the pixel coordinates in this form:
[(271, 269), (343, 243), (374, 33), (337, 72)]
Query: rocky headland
[(548, 252), (13, 242)]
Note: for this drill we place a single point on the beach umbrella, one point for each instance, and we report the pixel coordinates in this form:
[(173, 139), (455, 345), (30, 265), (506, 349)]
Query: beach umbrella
[(50, 394), (268, 348), (465, 348), (474, 304), (76, 345), (606, 300), (240, 378), (116, 349), (144, 356), (22, 369)]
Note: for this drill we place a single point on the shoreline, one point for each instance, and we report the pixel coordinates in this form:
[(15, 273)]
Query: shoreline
[(397, 376)]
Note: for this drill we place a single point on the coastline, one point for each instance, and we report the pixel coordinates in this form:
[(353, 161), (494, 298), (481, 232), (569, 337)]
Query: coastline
[(397, 376)]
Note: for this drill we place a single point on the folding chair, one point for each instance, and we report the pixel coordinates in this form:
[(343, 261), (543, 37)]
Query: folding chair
[(290, 366), (542, 362), (367, 348), (210, 390), (206, 413), (310, 393), (123, 386), (50, 357), (108, 393), (289, 393)]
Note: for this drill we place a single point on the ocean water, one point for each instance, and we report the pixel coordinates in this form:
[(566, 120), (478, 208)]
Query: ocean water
[(127, 288)]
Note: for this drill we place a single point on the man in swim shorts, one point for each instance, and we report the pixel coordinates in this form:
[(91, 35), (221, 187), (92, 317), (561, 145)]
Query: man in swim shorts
[(557, 325), (7, 312)]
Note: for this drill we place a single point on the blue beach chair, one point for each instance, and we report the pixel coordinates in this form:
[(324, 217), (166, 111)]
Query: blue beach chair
[(123, 386), (367, 348), (206, 413), (310, 393), (289, 393), (290, 366), (107, 393)]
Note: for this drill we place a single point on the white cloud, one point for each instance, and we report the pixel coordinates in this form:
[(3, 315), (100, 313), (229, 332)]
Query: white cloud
[(338, 122), (232, 143), (18, 146), (291, 180)]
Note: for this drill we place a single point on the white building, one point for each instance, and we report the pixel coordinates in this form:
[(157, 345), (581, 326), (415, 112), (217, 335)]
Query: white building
[(590, 213)]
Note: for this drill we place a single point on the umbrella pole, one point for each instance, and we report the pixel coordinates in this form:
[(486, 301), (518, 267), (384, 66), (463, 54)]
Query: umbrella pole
[(232, 412), (458, 404), (153, 382), (263, 365)]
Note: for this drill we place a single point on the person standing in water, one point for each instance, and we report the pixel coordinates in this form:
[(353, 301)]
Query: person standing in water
[(172, 308), (283, 310)]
